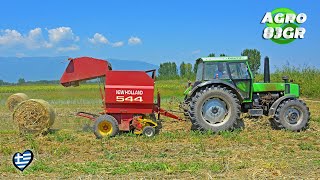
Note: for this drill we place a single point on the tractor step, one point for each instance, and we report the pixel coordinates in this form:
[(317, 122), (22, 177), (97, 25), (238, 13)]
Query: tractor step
[(255, 112)]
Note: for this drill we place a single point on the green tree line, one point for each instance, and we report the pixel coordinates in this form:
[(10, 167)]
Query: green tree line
[(169, 70)]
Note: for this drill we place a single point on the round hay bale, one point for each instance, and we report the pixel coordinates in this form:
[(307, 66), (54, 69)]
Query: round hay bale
[(15, 99), (34, 116)]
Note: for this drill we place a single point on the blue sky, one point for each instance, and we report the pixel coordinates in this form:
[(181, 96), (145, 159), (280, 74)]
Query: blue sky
[(151, 31)]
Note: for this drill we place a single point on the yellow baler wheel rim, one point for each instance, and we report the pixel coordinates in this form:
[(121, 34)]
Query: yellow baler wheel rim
[(105, 128)]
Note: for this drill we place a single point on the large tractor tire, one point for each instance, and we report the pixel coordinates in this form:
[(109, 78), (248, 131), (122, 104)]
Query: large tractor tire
[(215, 108), (187, 116), (106, 126), (292, 114), (184, 106)]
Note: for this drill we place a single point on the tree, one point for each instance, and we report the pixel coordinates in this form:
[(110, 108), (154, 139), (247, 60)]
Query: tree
[(211, 55), (254, 58), (188, 70), (168, 70), (195, 66), (21, 81), (173, 70), (222, 55), (182, 69)]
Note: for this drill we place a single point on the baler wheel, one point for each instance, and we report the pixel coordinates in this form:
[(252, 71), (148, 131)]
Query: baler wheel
[(155, 120), (149, 131), (106, 125)]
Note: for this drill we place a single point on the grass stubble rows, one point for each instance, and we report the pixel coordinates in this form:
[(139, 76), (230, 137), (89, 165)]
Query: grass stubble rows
[(71, 150)]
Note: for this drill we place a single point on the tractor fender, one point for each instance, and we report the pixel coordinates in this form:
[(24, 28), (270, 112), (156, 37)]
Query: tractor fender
[(217, 82), (275, 105)]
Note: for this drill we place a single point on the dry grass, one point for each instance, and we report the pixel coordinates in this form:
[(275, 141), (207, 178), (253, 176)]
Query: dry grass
[(68, 151)]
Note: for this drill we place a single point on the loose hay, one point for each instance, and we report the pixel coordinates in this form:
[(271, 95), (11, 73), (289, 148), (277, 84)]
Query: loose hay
[(34, 116), (15, 99)]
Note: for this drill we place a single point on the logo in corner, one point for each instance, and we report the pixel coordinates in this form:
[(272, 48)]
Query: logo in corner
[(283, 25)]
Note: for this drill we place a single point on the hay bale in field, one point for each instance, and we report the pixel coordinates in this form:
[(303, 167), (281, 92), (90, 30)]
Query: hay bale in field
[(15, 99), (34, 116)]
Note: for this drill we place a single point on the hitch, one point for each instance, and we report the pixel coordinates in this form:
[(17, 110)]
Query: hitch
[(87, 115)]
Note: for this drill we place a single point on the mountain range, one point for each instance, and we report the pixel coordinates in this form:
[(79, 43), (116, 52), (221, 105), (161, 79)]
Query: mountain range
[(51, 68)]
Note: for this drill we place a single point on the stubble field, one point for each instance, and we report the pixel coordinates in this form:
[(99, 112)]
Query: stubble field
[(71, 150)]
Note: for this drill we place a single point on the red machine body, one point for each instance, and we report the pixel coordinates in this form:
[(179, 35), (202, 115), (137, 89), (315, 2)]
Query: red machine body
[(126, 94), (129, 92)]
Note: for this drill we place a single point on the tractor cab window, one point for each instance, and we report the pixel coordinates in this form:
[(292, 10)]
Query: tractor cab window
[(215, 70), (241, 78), (239, 71), (199, 72)]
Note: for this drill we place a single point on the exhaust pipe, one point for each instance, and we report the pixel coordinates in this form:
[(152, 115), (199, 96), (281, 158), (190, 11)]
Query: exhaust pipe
[(266, 70)]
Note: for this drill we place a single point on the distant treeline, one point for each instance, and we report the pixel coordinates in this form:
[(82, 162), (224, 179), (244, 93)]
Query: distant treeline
[(169, 70), (23, 81)]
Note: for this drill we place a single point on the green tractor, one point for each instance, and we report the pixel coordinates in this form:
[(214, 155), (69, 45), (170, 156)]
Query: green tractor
[(225, 88)]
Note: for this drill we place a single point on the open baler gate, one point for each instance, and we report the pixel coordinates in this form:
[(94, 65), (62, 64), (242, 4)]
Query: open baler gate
[(84, 68)]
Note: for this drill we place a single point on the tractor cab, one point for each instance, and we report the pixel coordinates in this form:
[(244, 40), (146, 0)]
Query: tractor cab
[(232, 70)]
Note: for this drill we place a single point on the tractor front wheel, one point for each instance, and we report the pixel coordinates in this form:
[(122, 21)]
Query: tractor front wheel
[(106, 125), (291, 114)]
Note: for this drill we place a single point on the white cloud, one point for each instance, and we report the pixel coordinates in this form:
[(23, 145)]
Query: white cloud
[(35, 33), (196, 51), (60, 39), (68, 48), (117, 44), (19, 55), (134, 40), (10, 37), (62, 34), (98, 39), (32, 40)]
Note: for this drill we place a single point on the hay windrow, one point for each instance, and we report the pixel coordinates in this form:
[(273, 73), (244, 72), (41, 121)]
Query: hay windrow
[(15, 99), (34, 116)]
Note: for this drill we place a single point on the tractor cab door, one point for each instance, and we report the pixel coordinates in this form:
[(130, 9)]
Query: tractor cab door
[(241, 78)]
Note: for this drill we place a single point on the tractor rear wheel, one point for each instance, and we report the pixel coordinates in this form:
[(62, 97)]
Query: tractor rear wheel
[(106, 125), (188, 118), (291, 114), (215, 108)]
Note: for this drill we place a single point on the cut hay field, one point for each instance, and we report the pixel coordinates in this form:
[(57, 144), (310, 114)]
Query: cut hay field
[(71, 151)]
